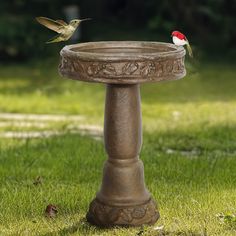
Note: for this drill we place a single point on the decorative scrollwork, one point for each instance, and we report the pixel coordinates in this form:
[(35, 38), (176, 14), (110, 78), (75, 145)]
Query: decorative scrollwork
[(138, 70), (101, 69), (104, 215), (147, 68), (129, 68)]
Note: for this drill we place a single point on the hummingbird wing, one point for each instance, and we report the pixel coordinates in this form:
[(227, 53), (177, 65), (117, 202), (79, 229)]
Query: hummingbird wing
[(62, 22), (50, 24)]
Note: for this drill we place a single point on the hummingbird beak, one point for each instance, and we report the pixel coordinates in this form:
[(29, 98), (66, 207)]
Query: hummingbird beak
[(85, 19)]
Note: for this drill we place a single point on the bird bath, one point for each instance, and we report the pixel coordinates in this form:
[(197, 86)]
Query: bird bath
[(123, 198)]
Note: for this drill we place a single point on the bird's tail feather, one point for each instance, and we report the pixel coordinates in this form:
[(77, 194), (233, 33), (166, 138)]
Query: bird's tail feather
[(190, 51), (55, 39)]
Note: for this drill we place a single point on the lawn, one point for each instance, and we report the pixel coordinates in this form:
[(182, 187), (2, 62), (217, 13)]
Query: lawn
[(189, 152)]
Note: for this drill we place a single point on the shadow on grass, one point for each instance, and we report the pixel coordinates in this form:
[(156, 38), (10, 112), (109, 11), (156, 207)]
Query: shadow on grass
[(82, 226), (85, 228)]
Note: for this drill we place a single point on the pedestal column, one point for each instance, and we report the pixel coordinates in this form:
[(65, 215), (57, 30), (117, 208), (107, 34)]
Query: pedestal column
[(123, 198)]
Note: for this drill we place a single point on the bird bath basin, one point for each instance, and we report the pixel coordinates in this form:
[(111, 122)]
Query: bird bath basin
[(123, 198)]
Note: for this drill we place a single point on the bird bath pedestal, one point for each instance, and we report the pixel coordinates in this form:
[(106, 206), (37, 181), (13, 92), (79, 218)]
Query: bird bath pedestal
[(123, 198)]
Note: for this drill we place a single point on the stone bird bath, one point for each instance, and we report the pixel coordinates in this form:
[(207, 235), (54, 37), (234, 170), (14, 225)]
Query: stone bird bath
[(123, 198)]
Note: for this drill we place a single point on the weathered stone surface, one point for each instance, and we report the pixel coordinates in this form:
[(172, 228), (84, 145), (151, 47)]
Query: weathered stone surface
[(123, 198), (103, 215), (122, 62)]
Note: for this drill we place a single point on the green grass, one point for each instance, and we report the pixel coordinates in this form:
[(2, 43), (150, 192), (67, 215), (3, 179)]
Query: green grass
[(189, 153)]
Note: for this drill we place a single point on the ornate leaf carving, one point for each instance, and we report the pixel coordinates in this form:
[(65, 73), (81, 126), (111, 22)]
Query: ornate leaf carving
[(130, 68), (104, 215), (101, 69), (150, 69)]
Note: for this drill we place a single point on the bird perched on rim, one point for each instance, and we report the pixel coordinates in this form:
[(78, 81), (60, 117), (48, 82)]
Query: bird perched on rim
[(64, 30), (180, 39)]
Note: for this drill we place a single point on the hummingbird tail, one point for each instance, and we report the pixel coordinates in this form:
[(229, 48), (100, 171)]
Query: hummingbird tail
[(55, 39), (190, 51)]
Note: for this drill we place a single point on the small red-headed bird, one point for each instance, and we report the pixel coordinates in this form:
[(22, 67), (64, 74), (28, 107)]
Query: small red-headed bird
[(180, 39)]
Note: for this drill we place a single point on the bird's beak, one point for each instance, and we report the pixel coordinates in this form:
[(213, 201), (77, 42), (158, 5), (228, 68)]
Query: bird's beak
[(86, 19)]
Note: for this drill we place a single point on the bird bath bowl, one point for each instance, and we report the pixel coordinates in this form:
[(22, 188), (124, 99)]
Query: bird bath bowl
[(123, 198)]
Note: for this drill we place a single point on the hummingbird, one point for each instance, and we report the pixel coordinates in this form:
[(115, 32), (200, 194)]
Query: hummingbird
[(180, 39), (64, 30)]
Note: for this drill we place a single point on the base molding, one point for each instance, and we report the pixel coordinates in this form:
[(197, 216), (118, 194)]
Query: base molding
[(104, 215)]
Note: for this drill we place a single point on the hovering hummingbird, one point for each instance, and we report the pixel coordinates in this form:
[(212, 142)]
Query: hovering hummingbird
[(64, 30), (180, 39)]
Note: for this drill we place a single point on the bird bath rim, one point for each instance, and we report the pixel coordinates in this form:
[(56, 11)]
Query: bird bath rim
[(123, 62), (89, 50)]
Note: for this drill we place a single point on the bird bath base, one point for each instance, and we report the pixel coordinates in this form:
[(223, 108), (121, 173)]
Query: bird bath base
[(123, 199)]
